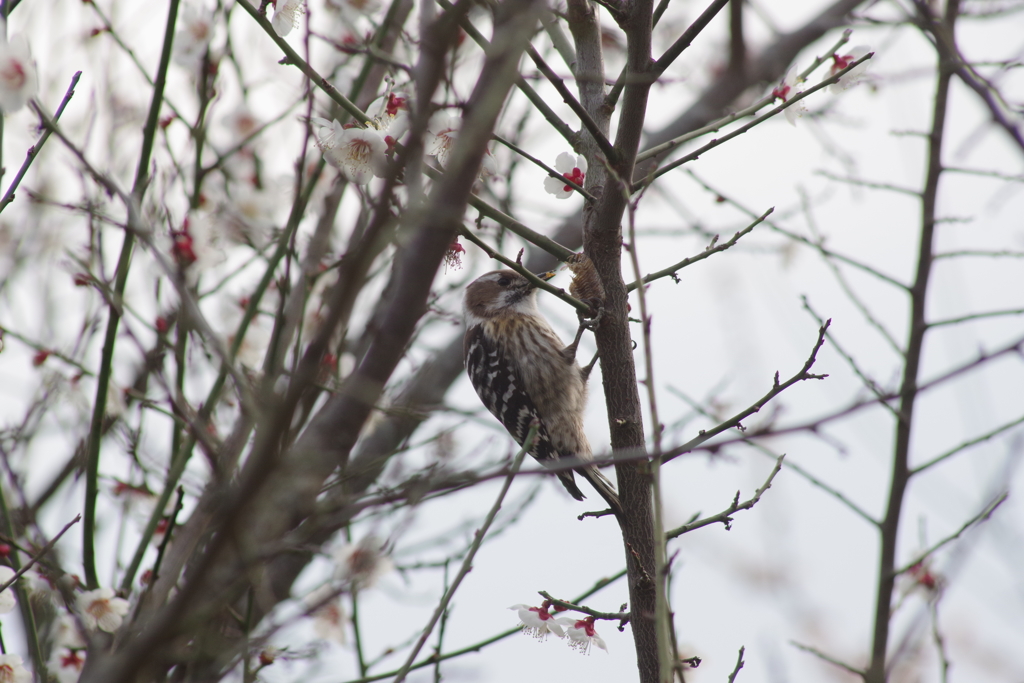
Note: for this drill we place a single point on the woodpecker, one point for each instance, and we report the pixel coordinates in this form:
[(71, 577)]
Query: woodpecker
[(522, 371)]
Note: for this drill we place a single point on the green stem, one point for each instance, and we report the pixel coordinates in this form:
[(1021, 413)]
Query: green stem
[(106, 361), (27, 616)]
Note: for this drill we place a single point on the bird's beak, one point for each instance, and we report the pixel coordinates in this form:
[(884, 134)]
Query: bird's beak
[(547, 275)]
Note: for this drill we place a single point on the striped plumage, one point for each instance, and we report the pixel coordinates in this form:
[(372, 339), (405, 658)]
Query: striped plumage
[(521, 371)]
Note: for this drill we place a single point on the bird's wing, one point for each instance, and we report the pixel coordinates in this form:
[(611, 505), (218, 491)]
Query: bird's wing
[(501, 389)]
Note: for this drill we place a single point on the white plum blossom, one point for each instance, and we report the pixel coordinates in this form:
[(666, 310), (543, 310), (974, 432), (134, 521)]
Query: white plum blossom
[(197, 245), (67, 664), (570, 166), (854, 75), (445, 129), (363, 563), (539, 622), (329, 618), (392, 114), (7, 600), (488, 165), (788, 89), (18, 79), (255, 343), (99, 608), (241, 123), (39, 586), (582, 635), (194, 36), (12, 670), (248, 215), (359, 153), (65, 632), (286, 15)]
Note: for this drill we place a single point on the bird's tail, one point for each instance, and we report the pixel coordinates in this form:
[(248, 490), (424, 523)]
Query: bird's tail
[(602, 485), (569, 482)]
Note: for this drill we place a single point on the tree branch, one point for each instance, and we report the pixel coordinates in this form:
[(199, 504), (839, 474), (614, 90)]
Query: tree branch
[(725, 516)]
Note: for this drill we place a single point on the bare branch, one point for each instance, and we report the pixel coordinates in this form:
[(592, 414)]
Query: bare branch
[(550, 171), (824, 251), (621, 617), (725, 516), (34, 150), (967, 444), (712, 248), (467, 563), (976, 519), (747, 126), (831, 660), (739, 665), (776, 389), (37, 555), (976, 316)]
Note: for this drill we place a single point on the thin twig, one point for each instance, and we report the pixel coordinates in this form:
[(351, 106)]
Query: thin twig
[(39, 554), (508, 222), (588, 122), (739, 665), (1014, 347), (479, 645), (662, 609), (980, 517), (560, 126), (831, 660), (467, 563), (824, 251), (676, 49), (873, 185), (940, 642), (989, 174), (712, 248), (777, 388), (788, 464), (848, 290), (981, 253), (655, 174), (293, 58), (976, 316), (610, 616), (34, 150), (871, 384), (725, 516), (123, 263), (550, 171), (717, 125), (967, 444)]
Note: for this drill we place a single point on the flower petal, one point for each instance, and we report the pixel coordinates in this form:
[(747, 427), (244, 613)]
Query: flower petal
[(557, 187), (565, 162)]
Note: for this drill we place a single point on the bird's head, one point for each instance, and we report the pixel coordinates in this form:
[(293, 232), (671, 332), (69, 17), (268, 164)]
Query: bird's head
[(499, 293)]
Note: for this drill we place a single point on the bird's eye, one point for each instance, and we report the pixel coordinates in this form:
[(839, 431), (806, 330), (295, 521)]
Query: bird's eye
[(504, 282)]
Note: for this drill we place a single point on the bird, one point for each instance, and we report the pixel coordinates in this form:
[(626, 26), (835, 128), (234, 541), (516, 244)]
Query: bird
[(523, 373)]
